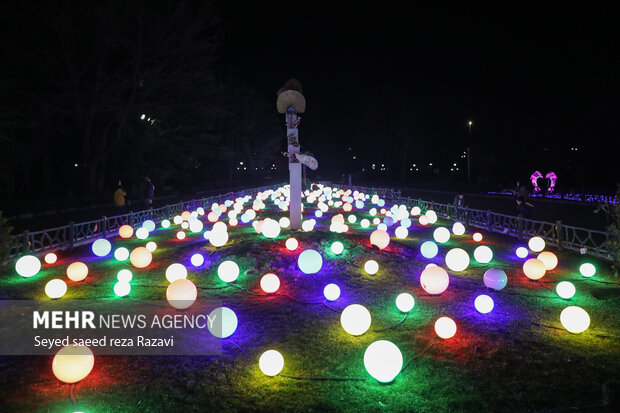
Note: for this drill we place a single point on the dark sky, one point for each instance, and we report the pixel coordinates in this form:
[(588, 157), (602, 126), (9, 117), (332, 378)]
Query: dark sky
[(534, 82)]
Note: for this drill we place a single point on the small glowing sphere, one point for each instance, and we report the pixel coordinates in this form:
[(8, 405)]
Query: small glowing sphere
[(121, 254), (352, 219), (355, 319), (383, 361), (405, 302), (307, 225), (218, 238), (445, 327), (55, 288), (441, 235), (151, 246), (401, 232), (228, 271), (224, 324), (177, 220), (284, 222), (124, 276), (549, 259), (415, 211), (536, 244), (483, 254), (429, 249), (522, 252), (495, 279), (376, 221), (180, 235), (269, 283), (181, 294), (101, 247), (149, 225), (458, 228), (126, 231), (142, 233), (477, 237), (196, 226), (364, 223), (233, 222), (371, 267), (434, 280), (331, 292), (165, 223), (431, 216), (175, 272), (50, 258), (380, 238), (292, 244), (337, 247), (73, 363), (185, 215), (318, 213), (271, 228), (122, 289), (565, 289), (457, 259), (575, 319), (310, 262), (77, 271), (484, 304), (271, 363), (587, 270), (197, 260), (140, 257), (382, 227), (423, 220), (534, 269)]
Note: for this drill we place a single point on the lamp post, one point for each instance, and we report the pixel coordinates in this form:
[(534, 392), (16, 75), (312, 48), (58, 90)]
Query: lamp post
[(469, 124)]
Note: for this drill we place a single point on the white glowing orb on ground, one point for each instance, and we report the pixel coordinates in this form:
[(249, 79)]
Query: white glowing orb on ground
[(331, 292), (269, 283), (142, 233), (495, 278), (484, 304), (431, 216), (124, 276), (181, 294), (224, 322), (292, 244), (337, 247), (458, 228), (284, 222), (310, 261), (434, 280), (77, 271), (536, 244), (271, 228), (352, 219), (165, 223), (218, 238), (522, 252), (101, 247), (181, 235), (140, 257), (401, 232), (122, 288), (364, 223), (534, 269), (423, 220), (149, 225), (477, 237), (175, 272), (575, 319), (549, 259), (380, 238), (177, 220), (587, 270), (151, 246), (219, 226), (441, 235), (196, 226), (371, 267), (383, 361), (355, 319), (405, 302), (121, 254), (125, 231), (483, 254), (73, 363), (415, 211), (457, 259), (271, 363), (55, 288), (50, 258), (429, 249), (197, 260), (445, 327), (228, 271), (565, 289)]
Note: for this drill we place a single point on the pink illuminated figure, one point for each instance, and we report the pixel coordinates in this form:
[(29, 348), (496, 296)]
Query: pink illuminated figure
[(551, 179), (534, 179)]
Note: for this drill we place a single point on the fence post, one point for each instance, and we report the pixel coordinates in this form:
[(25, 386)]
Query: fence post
[(26, 241), (558, 234), (131, 220), (71, 240), (489, 222), (104, 225)]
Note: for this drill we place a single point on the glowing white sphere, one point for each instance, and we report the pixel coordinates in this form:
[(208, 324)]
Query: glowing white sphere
[(423, 220), (355, 319), (124, 276), (121, 254), (371, 267), (483, 254), (219, 227), (271, 362), (50, 258), (401, 232), (218, 238), (364, 223), (165, 223), (431, 216), (484, 304), (575, 319), (228, 271), (534, 269), (382, 227), (149, 225), (434, 280), (101, 247), (177, 220), (310, 261), (337, 247), (352, 219), (457, 259), (565, 289), (383, 361), (122, 289), (181, 294), (142, 233), (429, 249), (415, 211), (197, 259), (140, 257), (445, 327), (587, 270), (536, 244), (331, 292), (181, 235), (196, 225), (477, 237), (271, 228), (125, 231), (405, 302), (151, 246), (495, 278), (458, 228), (73, 363), (549, 259), (55, 288), (224, 324), (77, 271), (441, 235), (522, 252), (292, 244), (269, 283), (380, 238), (284, 222), (175, 272)]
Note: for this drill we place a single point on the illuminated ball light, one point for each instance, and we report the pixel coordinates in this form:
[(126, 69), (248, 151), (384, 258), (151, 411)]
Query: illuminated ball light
[(337, 247), (380, 238), (355, 319), (269, 283), (307, 225), (184, 225), (587, 270), (122, 288), (181, 294), (271, 363), (142, 233), (429, 249), (458, 228), (401, 232), (431, 216), (77, 271), (483, 254), (165, 223), (371, 267), (284, 222), (270, 228), (495, 278), (522, 252), (175, 272), (331, 292), (534, 269), (441, 235), (445, 327), (224, 324), (364, 223), (477, 237), (28, 266), (125, 231), (124, 276), (434, 280), (405, 302), (101, 247), (121, 254), (55, 288), (292, 244), (197, 260), (149, 225), (50, 258), (423, 220), (181, 235), (140, 257), (151, 246), (310, 262), (484, 304), (196, 226), (383, 361), (536, 244), (549, 259), (73, 363), (575, 319), (565, 289), (218, 238), (228, 271), (457, 259)]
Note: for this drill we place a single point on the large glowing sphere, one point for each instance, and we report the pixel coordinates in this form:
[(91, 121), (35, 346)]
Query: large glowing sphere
[(549, 259), (218, 238), (423, 220), (181, 294), (429, 249), (228, 271), (151, 246), (401, 232), (383, 361), (337, 247), (364, 223), (405, 302), (101, 247), (149, 225), (124, 276), (310, 262), (55, 288), (483, 254), (269, 283), (575, 319), (50, 258), (355, 319), (284, 222), (431, 216), (292, 244), (271, 228), (196, 226), (224, 322), (495, 278), (457, 259), (565, 289), (484, 304), (77, 271), (140, 257), (371, 267), (142, 233), (307, 225), (445, 327), (125, 231), (27, 266), (122, 288), (434, 280), (587, 270), (331, 292), (536, 244), (458, 228), (441, 235), (522, 252), (165, 223), (477, 237), (73, 363), (271, 362), (380, 238), (121, 254), (175, 272), (534, 269), (197, 260)]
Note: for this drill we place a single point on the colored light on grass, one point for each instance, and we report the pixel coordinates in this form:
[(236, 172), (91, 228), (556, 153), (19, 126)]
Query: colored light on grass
[(121, 254), (371, 267), (101, 247), (140, 257), (77, 271), (383, 361), (429, 249), (269, 283), (292, 244), (181, 294), (534, 269), (495, 278), (73, 363), (434, 280), (55, 288), (587, 270), (355, 319), (197, 260), (271, 363), (483, 254), (522, 252), (445, 327), (310, 261), (50, 258), (122, 289), (331, 292), (337, 247), (441, 235), (575, 319), (405, 302), (565, 289), (225, 322), (484, 304), (457, 259), (536, 244), (228, 271)]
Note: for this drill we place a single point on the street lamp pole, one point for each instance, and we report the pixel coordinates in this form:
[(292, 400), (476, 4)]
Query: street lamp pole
[(469, 124)]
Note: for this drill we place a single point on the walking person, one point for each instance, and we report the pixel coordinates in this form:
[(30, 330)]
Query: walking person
[(119, 198), (459, 204), (149, 192)]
